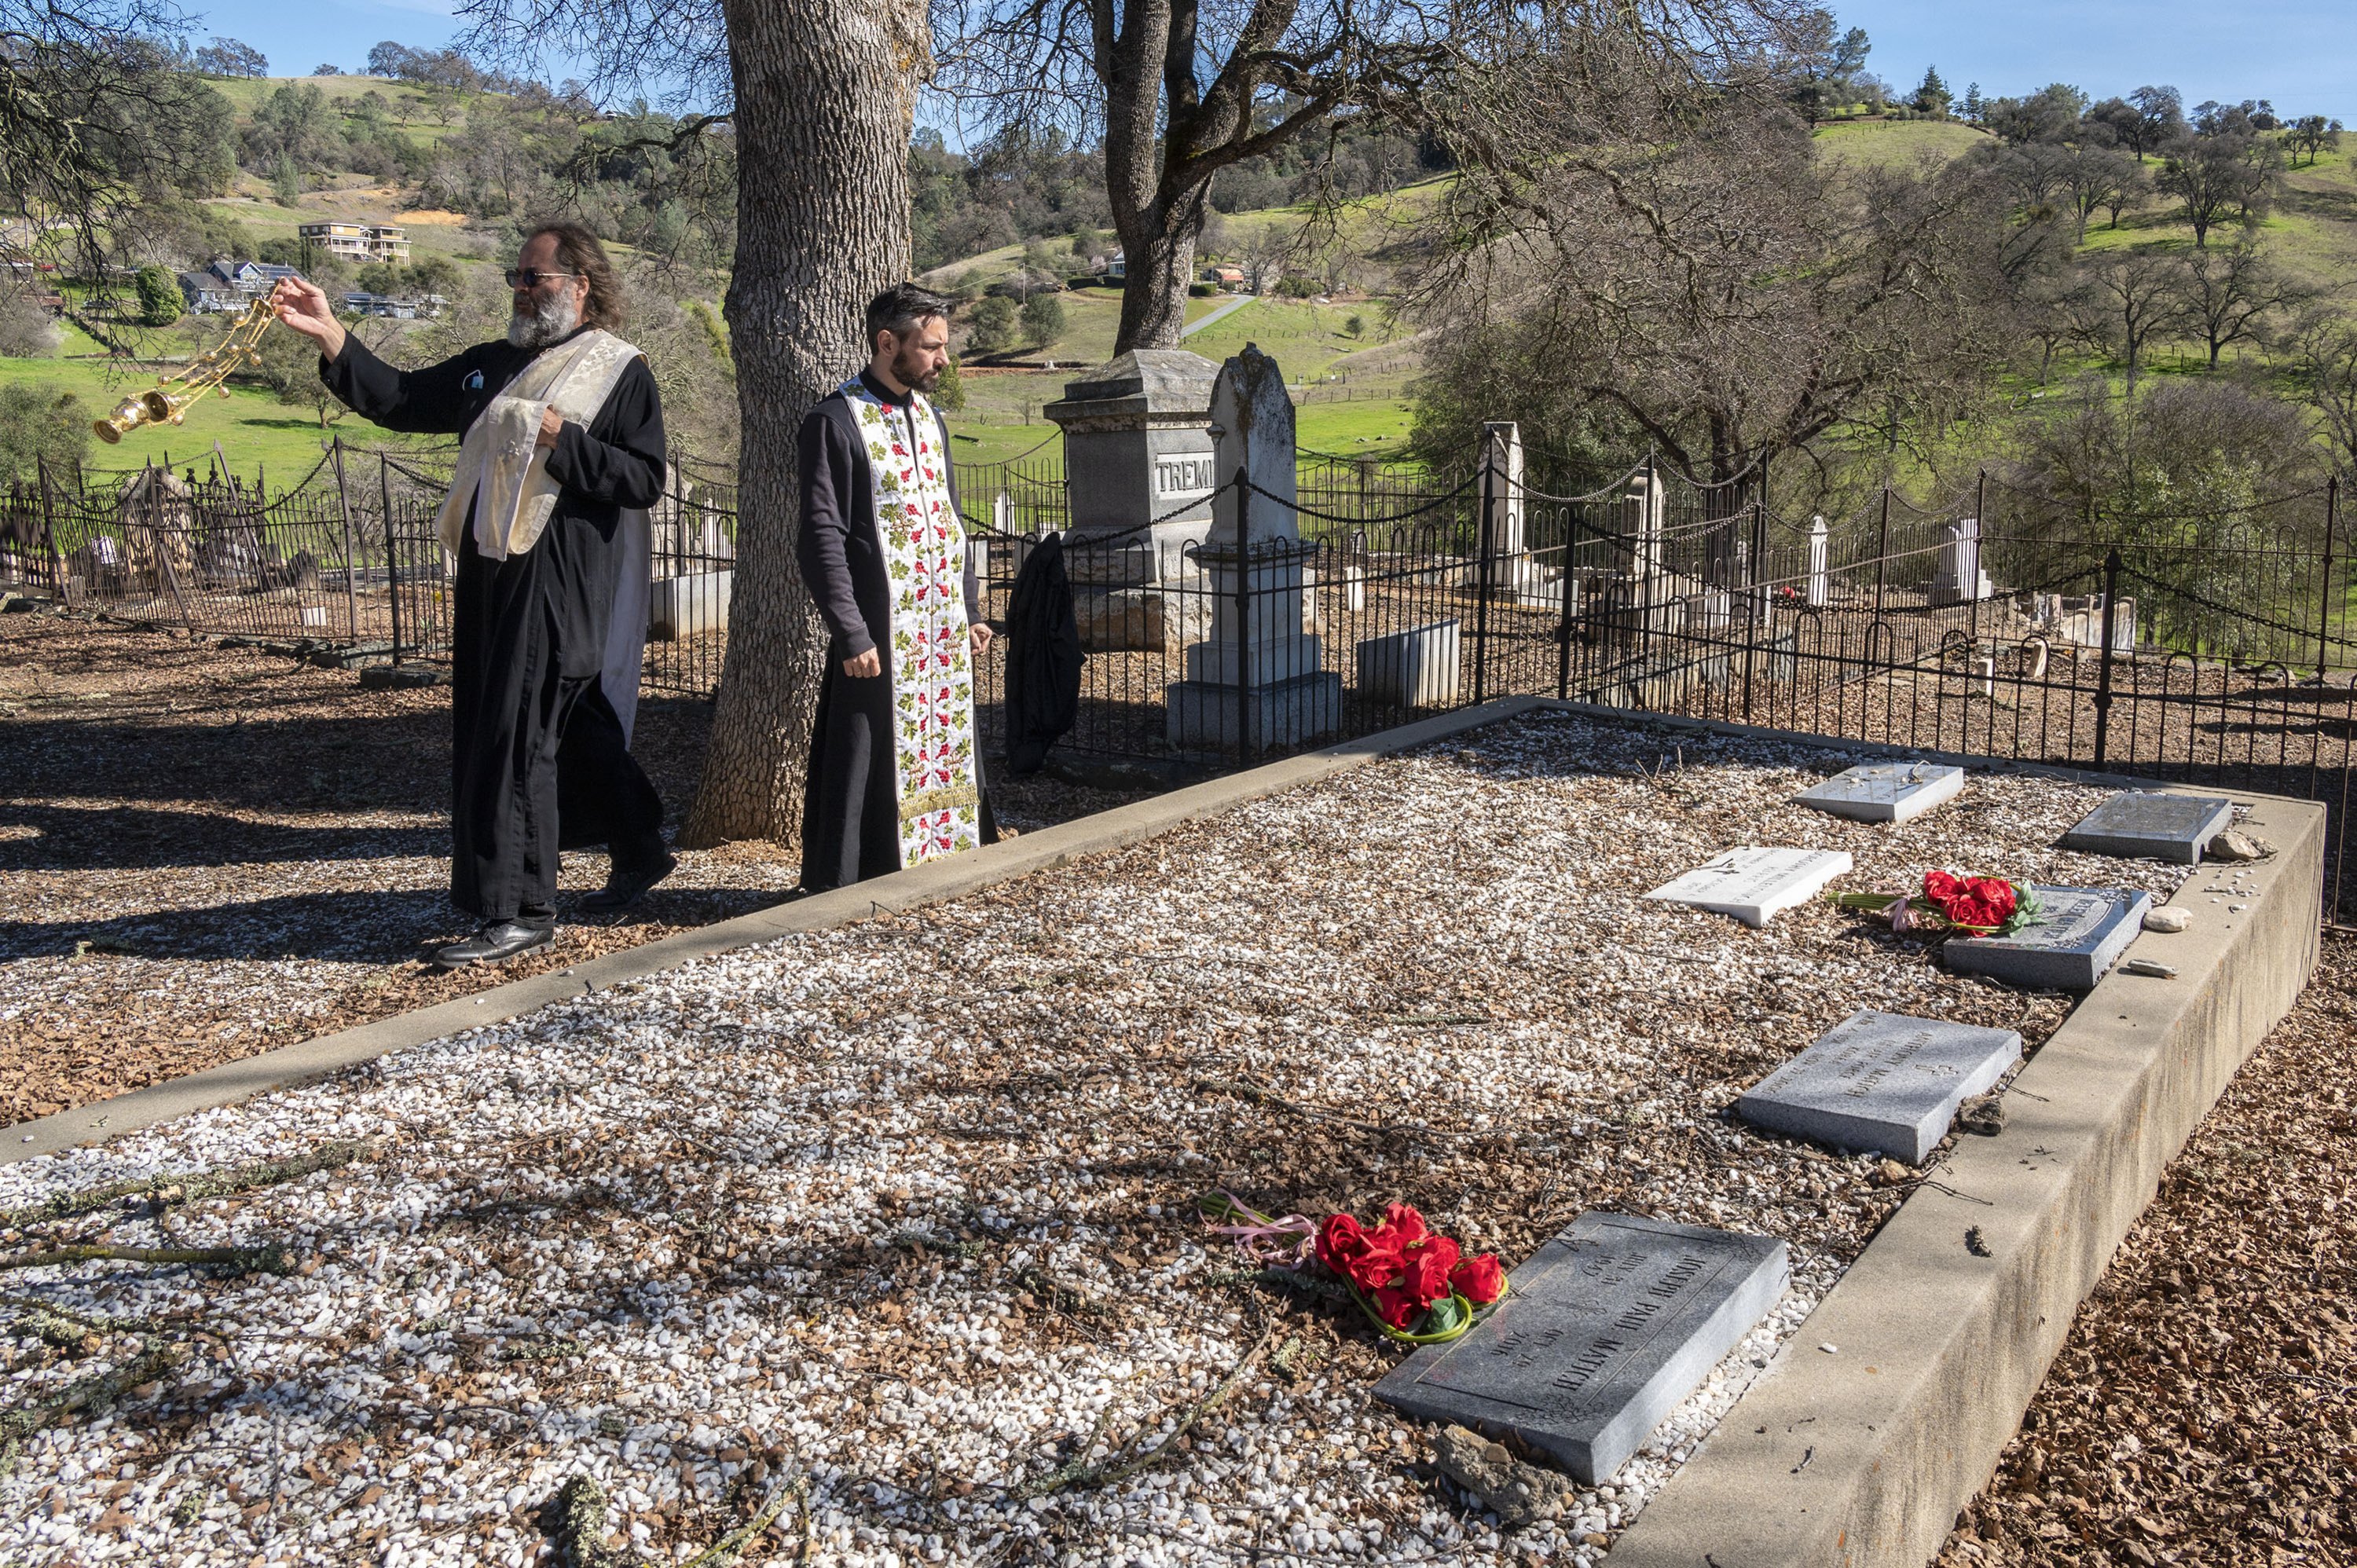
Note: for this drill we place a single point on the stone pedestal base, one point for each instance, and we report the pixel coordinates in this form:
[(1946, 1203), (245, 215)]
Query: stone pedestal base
[(1273, 659), (1149, 620), (1293, 713)]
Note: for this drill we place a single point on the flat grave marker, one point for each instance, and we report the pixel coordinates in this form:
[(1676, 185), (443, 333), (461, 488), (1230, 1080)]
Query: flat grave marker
[(2080, 933), (1882, 1081), (1885, 791), (1602, 1332), (2150, 825), (1753, 884)]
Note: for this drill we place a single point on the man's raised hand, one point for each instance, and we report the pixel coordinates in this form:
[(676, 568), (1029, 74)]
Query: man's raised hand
[(303, 307)]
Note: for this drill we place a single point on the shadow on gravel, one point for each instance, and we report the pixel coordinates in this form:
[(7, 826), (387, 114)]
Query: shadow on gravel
[(72, 838), (339, 927)]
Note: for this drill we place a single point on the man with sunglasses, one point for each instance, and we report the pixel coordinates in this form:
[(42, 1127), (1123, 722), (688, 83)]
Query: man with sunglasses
[(564, 451)]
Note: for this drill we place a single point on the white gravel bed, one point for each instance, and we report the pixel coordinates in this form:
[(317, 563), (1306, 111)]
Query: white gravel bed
[(906, 1208)]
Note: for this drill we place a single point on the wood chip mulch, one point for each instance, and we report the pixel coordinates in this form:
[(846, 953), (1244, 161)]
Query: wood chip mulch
[(208, 852), (2204, 1408)]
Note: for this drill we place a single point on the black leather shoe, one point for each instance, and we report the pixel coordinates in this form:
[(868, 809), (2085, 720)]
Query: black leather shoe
[(626, 883), (497, 939)]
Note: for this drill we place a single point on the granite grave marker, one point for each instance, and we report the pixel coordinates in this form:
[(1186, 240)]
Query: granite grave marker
[(1753, 884), (1885, 791), (2080, 933), (1603, 1331), (2149, 824), (1881, 1081)]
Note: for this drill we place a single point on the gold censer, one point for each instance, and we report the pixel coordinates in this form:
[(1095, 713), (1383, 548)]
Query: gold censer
[(169, 400)]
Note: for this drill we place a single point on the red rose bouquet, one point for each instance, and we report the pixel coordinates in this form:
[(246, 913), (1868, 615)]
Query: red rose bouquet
[(1416, 1287), (1972, 906)]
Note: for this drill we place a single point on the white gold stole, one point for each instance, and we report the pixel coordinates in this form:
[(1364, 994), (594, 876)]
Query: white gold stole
[(930, 662)]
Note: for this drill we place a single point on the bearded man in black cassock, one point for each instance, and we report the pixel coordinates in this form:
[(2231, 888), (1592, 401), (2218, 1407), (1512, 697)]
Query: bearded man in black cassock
[(564, 437), (895, 778)]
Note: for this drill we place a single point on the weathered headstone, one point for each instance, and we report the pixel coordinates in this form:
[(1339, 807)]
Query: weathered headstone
[(1881, 1081), (2080, 933), (2153, 825), (1512, 571), (1257, 679), (1885, 791), (1418, 668), (1602, 1332), (1755, 884), (689, 605)]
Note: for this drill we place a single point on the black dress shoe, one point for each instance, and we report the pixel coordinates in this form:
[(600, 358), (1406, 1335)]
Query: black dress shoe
[(626, 883), (497, 939)]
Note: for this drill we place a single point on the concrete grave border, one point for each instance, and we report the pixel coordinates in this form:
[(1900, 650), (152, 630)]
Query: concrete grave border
[(1895, 1441)]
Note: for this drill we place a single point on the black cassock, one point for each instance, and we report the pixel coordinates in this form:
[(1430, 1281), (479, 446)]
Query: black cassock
[(851, 812), (528, 722)]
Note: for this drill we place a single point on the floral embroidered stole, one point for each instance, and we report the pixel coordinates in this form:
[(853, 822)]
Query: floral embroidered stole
[(929, 661)]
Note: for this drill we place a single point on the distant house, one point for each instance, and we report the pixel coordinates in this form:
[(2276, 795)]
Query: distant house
[(401, 308), (1226, 277), (252, 279), (1118, 267), (359, 242), (208, 293)]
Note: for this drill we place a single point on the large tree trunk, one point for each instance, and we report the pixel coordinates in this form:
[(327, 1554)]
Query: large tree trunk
[(1159, 253), (825, 99)]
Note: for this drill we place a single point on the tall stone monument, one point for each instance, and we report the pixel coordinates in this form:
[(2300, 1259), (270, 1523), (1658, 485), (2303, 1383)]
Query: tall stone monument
[(1514, 574), (1138, 461), (1258, 678)]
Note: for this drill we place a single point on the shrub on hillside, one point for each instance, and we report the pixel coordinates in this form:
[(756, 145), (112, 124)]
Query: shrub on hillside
[(991, 329), (26, 331), (160, 300), (1043, 319), (41, 425)]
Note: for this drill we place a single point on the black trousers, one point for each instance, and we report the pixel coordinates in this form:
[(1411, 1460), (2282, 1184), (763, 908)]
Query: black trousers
[(533, 738), (851, 812)]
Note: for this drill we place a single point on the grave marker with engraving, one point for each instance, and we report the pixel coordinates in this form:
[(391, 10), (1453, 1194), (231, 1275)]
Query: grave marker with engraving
[(2150, 826), (1604, 1330), (1885, 791), (1754, 884), (2081, 932), (1881, 1081)]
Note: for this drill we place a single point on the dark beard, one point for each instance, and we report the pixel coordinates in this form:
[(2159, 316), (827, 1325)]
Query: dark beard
[(904, 370)]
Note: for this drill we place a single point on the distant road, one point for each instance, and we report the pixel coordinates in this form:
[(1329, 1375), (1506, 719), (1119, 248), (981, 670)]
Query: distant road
[(1228, 309)]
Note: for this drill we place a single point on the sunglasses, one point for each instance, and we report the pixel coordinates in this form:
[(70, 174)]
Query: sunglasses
[(531, 278)]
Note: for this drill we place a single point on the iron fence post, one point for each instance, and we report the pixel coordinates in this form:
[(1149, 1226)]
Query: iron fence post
[(352, 561), (1481, 570), (1570, 598), (1243, 615), (1980, 543), (392, 561), (1882, 556), (2104, 668), (54, 560), (2324, 615)]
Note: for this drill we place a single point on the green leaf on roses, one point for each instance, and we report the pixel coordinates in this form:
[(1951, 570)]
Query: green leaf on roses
[(1446, 1315)]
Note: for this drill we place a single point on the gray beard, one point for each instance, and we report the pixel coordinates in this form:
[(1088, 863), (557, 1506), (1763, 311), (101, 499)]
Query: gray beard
[(546, 322)]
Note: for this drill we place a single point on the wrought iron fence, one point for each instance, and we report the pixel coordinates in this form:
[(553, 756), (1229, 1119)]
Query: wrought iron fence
[(2213, 646)]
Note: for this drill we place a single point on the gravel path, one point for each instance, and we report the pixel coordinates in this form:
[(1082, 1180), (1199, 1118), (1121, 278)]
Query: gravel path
[(2204, 1408), (902, 1212), (209, 852)]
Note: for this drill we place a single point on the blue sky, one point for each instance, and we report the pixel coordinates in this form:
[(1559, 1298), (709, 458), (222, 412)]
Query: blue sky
[(2300, 53)]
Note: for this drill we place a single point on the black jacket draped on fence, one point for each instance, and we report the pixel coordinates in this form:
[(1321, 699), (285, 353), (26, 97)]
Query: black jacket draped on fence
[(1043, 659), (530, 636)]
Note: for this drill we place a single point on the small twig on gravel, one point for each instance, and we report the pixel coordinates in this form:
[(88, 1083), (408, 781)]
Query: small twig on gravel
[(581, 1524), (270, 1259), (194, 1188), (727, 1547), (1270, 1097), (1078, 1473), (102, 1390)]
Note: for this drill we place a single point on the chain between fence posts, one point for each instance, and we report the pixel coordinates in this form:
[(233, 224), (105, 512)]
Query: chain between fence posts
[(352, 556), (2324, 616), (392, 561), (2104, 668), (1481, 570)]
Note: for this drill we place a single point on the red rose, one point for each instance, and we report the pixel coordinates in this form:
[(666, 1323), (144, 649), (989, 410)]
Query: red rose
[(1402, 1225), (1940, 887), (1479, 1279), (1346, 1249), (1424, 1271), (1997, 894), (1397, 1307)]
